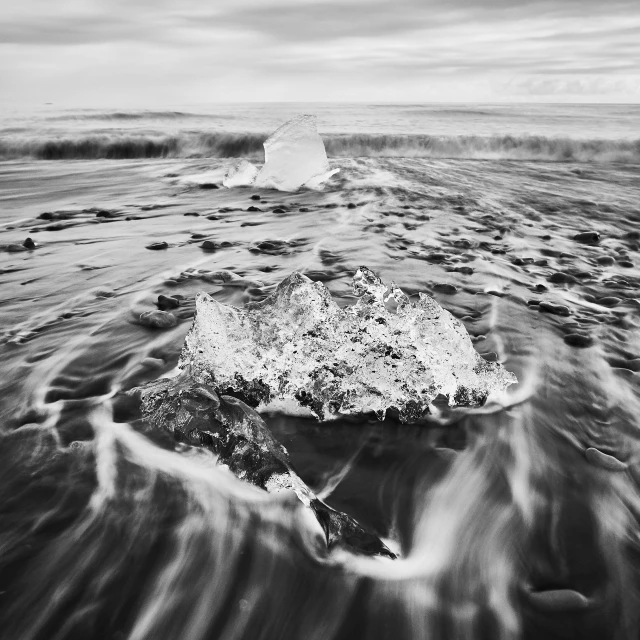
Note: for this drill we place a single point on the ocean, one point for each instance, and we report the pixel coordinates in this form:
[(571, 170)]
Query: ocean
[(515, 519)]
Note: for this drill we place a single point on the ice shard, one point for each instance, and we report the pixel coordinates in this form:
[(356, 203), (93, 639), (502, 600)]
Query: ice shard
[(195, 414), (294, 155), (384, 352), (240, 174)]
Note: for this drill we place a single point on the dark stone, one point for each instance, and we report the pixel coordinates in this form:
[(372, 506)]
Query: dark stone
[(192, 213), (252, 208), (279, 210), (609, 301), (633, 235), (587, 237), (578, 340), (541, 288), (157, 246), (255, 196), (467, 271), (444, 287), (627, 264), (555, 309), (208, 185), (209, 245), (562, 278), (167, 302), (29, 244), (437, 257), (351, 205)]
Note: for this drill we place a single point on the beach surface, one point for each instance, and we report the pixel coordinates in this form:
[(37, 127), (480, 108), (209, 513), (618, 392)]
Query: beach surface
[(515, 519)]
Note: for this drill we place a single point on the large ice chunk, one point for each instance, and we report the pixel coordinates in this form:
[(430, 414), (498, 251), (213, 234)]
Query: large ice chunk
[(194, 413), (240, 174), (297, 344), (294, 156)]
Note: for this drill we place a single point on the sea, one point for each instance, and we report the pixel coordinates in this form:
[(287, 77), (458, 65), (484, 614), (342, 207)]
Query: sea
[(516, 519)]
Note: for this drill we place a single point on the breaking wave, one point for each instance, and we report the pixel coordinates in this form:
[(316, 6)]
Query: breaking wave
[(127, 115), (246, 145)]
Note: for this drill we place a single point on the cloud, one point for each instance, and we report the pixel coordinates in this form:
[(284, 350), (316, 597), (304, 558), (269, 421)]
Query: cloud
[(320, 49)]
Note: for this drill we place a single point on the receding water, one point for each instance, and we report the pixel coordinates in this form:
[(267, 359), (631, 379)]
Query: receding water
[(505, 526)]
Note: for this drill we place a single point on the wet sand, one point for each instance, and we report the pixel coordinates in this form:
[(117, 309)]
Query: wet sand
[(519, 518)]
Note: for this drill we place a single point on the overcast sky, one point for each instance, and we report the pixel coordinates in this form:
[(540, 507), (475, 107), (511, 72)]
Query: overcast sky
[(149, 52)]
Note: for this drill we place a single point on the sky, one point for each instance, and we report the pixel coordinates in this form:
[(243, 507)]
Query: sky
[(143, 53)]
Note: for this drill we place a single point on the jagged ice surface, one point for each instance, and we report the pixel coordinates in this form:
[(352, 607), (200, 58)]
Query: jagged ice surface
[(297, 344), (240, 174), (294, 156)]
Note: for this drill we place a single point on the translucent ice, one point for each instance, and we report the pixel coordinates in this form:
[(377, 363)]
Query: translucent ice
[(294, 156), (297, 344), (241, 174), (195, 414)]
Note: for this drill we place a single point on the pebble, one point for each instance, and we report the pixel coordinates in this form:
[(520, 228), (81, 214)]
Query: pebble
[(467, 271), (565, 278), (631, 364), (437, 257), (605, 261), (209, 245), (279, 210), (541, 288), (252, 208), (578, 340), (351, 205), (556, 309), (208, 185), (627, 264), (29, 244), (158, 319), (255, 196), (633, 235), (192, 213), (443, 287), (533, 303), (157, 246), (609, 301), (167, 302), (587, 237), (558, 600), (604, 460)]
